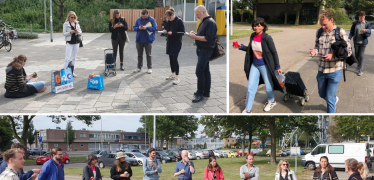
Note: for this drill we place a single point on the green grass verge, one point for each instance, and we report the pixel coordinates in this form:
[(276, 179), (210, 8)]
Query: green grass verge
[(230, 169), (25, 35), (247, 33), (29, 30), (314, 26)]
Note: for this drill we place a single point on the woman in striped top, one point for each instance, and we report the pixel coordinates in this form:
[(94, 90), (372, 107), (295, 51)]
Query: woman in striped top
[(18, 84), (261, 60)]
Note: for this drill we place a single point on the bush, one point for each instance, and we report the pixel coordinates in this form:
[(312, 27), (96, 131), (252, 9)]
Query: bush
[(24, 35), (340, 17), (261, 154)]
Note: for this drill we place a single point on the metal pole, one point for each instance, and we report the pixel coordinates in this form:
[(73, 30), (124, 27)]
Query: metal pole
[(145, 130), (45, 15), (296, 156), (67, 134), (101, 136), (154, 131), (50, 4), (231, 24)]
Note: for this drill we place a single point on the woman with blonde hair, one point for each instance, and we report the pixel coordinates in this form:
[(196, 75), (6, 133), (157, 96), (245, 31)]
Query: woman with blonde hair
[(175, 30), (325, 171), (351, 167), (364, 171), (283, 171), (121, 170), (118, 26), (72, 31), (18, 84)]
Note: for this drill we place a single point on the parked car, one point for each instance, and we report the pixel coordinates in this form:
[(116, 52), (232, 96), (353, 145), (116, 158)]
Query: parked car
[(191, 155), (337, 154), (278, 152), (175, 154), (218, 153), (157, 157), (140, 158), (286, 153), (253, 152), (36, 151), (219, 148), (210, 152), (165, 157), (370, 19), (372, 154), (201, 155), (100, 153), (47, 156), (232, 154), (108, 160), (131, 150)]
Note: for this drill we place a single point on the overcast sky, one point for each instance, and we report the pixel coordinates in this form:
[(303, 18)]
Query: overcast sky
[(128, 123)]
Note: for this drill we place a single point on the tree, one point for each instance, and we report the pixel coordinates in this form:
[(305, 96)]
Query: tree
[(262, 133), (69, 135), (352, 127), (140, 130), (23, 123), (286, 12), (61, 5), (6, 134), (31, 134), (168, 127), (322, 4), (335, 134)]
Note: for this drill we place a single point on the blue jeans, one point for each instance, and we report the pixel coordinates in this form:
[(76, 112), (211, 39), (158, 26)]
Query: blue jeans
[(327, 86), (254, 79), (38, 85), (202, 71)]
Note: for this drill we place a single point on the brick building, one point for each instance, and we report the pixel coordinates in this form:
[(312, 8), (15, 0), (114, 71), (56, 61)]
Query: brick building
[(89, 140)]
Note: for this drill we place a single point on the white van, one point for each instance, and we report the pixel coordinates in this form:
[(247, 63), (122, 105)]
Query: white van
[(337, 154)]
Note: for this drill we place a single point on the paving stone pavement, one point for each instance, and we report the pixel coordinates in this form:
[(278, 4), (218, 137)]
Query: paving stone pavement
[(127, 92), (355, 95)]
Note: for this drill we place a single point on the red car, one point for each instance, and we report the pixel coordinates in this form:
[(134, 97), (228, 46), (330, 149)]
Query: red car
[(42, 159), (245, 152)]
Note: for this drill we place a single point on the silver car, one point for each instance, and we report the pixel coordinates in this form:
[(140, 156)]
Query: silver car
[(108, 160), (218, 154), (138, 156), (191, 155), (201, 155)]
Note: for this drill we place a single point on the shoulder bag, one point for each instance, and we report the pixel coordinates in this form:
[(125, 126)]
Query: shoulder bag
[(218, 49)]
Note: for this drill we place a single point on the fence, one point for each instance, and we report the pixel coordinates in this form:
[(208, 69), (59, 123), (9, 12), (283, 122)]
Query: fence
[(131, 15)]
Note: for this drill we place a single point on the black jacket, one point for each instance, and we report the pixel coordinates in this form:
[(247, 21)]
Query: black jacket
[(174, 41), (355, 176), (120, 30), (88, 173), (16, 84), (270, 56), (114, 174), (326, 176), (208, 29)]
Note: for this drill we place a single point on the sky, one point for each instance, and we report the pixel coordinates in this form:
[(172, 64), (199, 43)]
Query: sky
[(128, 123)]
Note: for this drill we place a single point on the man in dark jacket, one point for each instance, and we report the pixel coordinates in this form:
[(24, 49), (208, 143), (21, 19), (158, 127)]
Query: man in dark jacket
[(205, 40), (29, 175), (145, 26), (53, 168), (360, 31)]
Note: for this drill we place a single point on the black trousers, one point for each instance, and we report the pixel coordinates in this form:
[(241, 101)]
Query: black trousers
[(359, 53), (121, 43), (174, 65)]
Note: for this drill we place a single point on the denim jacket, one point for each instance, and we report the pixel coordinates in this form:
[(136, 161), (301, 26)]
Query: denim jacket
[(149, 170)]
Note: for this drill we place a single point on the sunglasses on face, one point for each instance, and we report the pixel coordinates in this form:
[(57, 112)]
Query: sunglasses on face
[(72, 17), (285, 164)]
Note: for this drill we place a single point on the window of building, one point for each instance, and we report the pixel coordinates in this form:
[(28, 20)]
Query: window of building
[(82, 135), (180, 141), (82, 145), (232, 141), (56, 145), (91, 135)]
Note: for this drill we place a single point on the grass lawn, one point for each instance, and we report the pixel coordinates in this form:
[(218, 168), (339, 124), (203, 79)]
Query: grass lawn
[(314, 26), (230, 169), (247, 33)]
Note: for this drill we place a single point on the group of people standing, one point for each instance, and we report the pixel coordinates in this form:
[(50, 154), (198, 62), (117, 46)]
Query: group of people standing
[(18, 83), (262, 62)]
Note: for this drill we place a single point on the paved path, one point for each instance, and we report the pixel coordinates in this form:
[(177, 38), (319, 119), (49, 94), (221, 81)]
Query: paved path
[(127, 92), (355, 95)]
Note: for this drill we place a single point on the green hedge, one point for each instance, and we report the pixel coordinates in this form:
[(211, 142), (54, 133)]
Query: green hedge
[(25, 35), (261, 154)]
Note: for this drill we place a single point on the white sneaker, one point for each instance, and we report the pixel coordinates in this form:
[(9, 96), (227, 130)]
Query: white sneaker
[(337, 100), (176, 81), (269, 106), (74, 75), (149, 71), (137, 70), (170, 77)]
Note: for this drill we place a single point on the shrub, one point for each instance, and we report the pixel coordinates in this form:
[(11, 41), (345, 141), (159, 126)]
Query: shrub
[(261, 154), (25, 35)]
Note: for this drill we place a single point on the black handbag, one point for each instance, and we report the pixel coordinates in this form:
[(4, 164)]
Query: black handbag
[(71, 66)]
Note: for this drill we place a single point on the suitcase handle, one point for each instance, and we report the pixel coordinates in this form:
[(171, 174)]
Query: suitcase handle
[(107, 50)]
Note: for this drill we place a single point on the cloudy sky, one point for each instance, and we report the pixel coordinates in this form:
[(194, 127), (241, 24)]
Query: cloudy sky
[(129, 123)]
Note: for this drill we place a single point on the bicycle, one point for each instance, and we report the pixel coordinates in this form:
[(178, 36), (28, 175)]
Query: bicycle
[(5, 39)]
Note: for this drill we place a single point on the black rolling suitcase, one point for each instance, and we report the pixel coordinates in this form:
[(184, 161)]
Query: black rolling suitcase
[(295, 86)]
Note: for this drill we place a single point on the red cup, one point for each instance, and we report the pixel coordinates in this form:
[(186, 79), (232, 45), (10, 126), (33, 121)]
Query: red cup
[(235, 44)]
